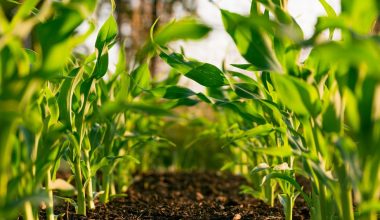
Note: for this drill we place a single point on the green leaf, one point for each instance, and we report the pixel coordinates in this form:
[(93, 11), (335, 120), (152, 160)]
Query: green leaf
[(253, 43), (140, 79), (360, 14), (246, 90), (56, 47), (107, 34), (53, 106), (187, 28), (297, 95), (111, 108), (207, 75), (172, 92), (330, 12), (105, 39), (65, 96), (101, 66), (290, 180), (274, 151), (330, 119), (203, 73), (178, 62), (260, 130)]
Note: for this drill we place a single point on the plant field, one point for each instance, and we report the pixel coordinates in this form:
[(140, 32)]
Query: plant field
[(75, 130)]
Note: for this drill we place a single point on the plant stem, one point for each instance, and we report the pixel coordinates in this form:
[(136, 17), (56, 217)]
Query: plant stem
[(89, 191), (347, 211), (78, 180), (289, 208), (322, 200), (50, 204), (28, 211), (5, 155), (106, 186)]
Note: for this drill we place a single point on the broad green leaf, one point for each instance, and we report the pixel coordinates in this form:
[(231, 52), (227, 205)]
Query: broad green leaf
[(182, 102), (140, 79), (252, 41), (107, 34), (178, 62), (101, 66), (56, 47), (330, 12), (207, 75), (24, 11), (274, 151), (203, 73), (242, 77), (356, 52), (330, 119), (187, 28), (297, 95), (65, 96), (246, 90), (260, 130), (172, 92), (105, 39), (184, 29), (360, 14)]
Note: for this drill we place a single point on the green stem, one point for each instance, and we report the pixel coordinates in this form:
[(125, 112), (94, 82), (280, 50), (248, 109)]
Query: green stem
[(322, 200), (289, 208), (89, 191), (5, 155), (106, 186), (28, 211), (50, 204), (79, 184), (347, 210)]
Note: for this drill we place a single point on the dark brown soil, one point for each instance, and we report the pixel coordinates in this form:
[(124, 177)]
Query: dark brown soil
[(185, 196)]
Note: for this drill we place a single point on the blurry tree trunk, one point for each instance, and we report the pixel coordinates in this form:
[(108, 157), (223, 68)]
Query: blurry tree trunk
[(135, 18)]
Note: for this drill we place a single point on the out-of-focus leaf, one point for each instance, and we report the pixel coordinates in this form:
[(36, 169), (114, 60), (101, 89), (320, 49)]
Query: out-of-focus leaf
[(330, 119), (274, 151), (361, 14), (260, 167), (111, 108), (260, 130), (140, 79), (11, 209), (105, 39), (187, 28), (297, 95), (107, 34), (178, 62), (101, 66), (330, 12), (354, 53), (252, 41), (56, 49), (184, 29)]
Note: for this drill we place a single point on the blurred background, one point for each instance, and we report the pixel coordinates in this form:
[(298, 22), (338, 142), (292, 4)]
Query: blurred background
[(135, 17)]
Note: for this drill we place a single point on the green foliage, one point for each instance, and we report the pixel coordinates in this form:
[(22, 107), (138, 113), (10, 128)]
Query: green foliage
[(278, 120)]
